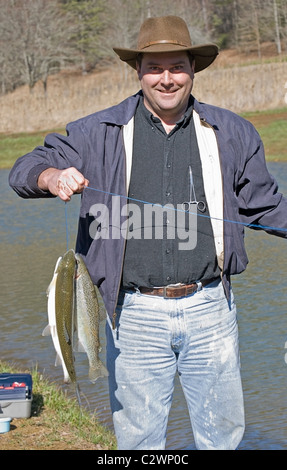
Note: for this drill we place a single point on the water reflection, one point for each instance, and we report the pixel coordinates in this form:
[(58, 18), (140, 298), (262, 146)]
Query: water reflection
[(33, 235)]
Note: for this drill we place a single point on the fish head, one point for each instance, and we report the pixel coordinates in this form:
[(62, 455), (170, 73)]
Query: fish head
[(81, 268), (68, 260)]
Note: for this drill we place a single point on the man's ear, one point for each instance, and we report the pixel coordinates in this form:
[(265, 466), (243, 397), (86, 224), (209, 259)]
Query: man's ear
[(138, 69), (138, 65)]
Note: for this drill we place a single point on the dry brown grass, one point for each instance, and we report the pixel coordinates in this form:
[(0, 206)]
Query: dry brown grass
[(240, 82), (37, 433)]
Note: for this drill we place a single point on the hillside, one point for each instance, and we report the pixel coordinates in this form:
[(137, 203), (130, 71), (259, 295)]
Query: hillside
[(240, 82)]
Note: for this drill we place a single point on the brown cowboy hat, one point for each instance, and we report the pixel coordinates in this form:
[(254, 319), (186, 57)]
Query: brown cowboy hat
[(168, 34)]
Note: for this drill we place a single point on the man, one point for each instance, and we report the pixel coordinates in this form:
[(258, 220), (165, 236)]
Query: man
[(168, 294)]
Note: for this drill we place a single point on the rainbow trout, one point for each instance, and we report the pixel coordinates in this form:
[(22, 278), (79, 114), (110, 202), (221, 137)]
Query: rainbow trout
[(89, 311), (51, 328), (61, 314)]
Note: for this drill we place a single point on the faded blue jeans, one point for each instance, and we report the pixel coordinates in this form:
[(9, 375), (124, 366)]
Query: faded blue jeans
[(155, 338)]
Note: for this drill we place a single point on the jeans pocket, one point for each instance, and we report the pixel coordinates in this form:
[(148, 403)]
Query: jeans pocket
[(126, 299), (214, 291)]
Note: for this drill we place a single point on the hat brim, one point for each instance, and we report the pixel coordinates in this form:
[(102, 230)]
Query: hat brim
[(204, 54)]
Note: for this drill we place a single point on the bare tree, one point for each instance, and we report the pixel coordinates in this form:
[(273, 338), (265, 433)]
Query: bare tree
[(36, 34), (283, 21), (277, 32), (41, 37)]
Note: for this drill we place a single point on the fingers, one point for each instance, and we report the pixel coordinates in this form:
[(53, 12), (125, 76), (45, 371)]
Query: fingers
[(69, 182), (64, 192), (62, 183)]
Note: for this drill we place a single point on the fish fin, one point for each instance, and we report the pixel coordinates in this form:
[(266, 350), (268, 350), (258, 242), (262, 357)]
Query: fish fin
[(58, 361), (79, 347), (51, 285), (53, 281), (96, 372), (102, 308), (47, 331)]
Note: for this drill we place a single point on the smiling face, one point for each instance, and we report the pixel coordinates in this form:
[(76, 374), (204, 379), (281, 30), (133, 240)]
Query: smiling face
[(166, 80)]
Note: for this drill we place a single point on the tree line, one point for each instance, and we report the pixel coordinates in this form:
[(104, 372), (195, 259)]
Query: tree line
[(42, 37)]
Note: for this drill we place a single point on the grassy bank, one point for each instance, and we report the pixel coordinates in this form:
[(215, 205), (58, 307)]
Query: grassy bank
[(271, 125), (13, 146), (56, 422)]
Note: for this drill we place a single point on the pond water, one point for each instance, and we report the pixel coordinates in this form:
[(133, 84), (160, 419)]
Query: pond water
[(33, 236)]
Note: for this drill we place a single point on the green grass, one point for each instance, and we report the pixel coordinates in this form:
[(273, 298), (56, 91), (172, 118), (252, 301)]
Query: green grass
[(274, 137), (15, 145), (271, 125)]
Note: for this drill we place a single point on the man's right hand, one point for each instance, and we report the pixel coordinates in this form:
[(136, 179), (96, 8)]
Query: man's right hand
[(62, 183)]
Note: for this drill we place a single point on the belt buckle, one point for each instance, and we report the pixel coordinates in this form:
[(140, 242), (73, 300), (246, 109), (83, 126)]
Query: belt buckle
[(172, 287), (165, 296)]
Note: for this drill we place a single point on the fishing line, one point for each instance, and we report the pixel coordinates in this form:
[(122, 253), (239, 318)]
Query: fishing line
[(262, 227), (67, 229)]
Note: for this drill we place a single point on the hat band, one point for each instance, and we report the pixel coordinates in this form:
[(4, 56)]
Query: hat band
[(164, 41)]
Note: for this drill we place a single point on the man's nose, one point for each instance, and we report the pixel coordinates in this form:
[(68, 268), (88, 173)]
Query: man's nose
[(166, 77)]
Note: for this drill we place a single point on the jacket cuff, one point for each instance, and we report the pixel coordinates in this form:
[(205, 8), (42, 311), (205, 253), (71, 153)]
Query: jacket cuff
[(32, 178)]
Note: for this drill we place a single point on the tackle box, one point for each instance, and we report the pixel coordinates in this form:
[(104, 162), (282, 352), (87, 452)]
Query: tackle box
[(15, 395)]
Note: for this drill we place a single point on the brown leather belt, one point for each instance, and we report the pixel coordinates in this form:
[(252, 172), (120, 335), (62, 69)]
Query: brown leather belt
[(175, 291)]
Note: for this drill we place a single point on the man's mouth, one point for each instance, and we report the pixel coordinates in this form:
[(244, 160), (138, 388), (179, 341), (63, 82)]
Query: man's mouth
[(167, 92)]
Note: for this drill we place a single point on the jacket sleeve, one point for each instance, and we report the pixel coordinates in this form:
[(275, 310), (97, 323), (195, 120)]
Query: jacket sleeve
[(58, 151), (260, 202)]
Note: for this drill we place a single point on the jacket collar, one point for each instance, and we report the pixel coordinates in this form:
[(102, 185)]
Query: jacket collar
[(123, 112)]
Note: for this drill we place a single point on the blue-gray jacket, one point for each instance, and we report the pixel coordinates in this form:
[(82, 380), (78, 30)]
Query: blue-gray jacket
[(239, 188)]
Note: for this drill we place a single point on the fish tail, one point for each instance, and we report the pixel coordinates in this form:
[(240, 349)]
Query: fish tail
[(96, 372)]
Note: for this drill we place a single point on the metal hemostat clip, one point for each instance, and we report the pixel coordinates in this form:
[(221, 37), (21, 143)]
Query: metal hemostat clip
[(201, 206)]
